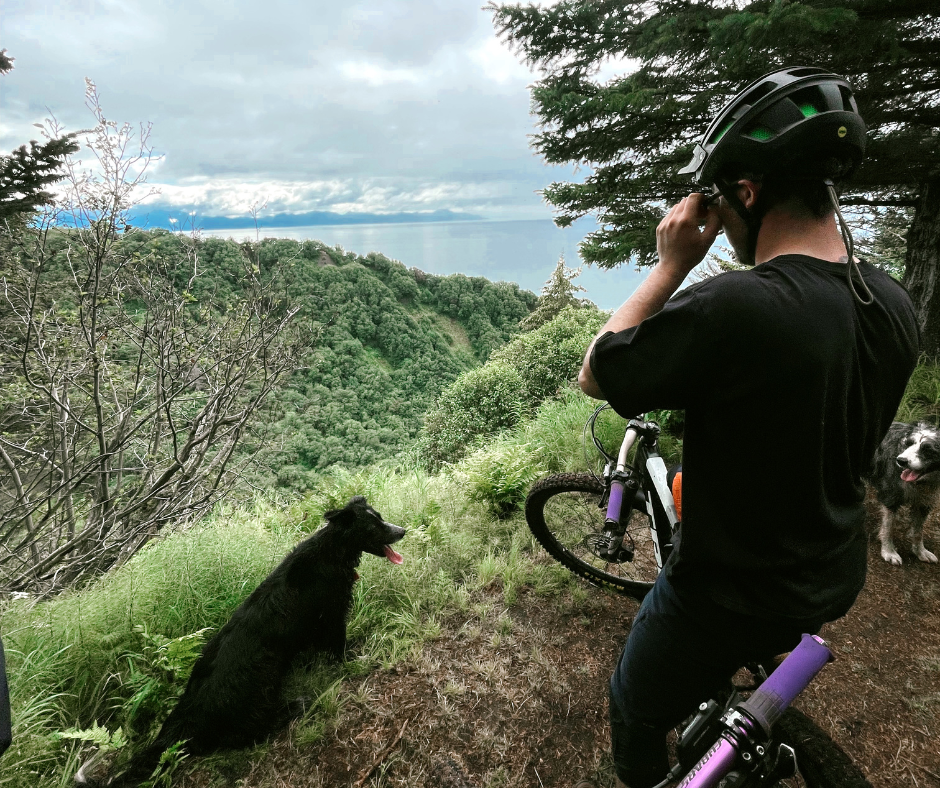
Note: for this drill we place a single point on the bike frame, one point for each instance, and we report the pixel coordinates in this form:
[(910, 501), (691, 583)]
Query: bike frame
[(644, 482)]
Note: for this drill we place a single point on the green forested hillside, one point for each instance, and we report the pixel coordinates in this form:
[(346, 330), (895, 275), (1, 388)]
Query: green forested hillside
[(390, 339)]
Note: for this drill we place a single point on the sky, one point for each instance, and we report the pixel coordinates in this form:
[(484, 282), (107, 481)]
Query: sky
[(379, 107)]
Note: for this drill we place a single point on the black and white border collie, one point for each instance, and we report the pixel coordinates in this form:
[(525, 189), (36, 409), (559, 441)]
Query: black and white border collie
[(906, 470)]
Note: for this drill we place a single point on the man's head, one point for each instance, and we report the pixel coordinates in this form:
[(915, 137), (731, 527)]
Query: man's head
[(790, 135), (798, 204)]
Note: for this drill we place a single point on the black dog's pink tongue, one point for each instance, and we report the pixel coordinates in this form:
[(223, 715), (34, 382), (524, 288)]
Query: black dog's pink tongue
[(907, 475), (392, 556)]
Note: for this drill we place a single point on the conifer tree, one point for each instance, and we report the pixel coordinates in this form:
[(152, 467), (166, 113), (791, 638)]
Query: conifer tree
[(683, 60), (557, 294), (26, 172)]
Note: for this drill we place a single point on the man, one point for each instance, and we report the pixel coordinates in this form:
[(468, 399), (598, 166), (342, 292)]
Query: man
[(789, 373)]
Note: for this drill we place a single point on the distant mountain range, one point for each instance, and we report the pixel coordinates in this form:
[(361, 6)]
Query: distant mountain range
[(160, 217)]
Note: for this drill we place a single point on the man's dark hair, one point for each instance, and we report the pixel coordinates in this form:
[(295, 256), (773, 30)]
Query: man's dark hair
[(810, 194), (809, 190)]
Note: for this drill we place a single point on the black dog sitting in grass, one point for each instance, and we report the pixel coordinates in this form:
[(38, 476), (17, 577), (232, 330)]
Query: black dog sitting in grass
[(233, 698)]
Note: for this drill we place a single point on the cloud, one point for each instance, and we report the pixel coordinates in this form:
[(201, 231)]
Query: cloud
[(233, 197), (378, 76), (326, 106), (499, 64)]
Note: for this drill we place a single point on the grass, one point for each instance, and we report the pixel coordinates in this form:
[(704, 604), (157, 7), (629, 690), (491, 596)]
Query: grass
[(921, 400), (81, 659), (558, 430)]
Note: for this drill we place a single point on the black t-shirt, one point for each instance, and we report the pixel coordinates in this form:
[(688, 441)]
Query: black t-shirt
[(788, 385)]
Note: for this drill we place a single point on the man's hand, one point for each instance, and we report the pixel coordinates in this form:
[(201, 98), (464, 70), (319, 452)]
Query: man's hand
[(681, 246), (680, 241)]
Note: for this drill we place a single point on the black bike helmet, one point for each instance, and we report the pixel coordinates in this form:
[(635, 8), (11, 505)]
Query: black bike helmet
[(801, 121), (798, 123)]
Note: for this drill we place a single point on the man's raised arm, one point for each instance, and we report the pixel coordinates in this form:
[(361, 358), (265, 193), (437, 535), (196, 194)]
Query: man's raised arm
[(681, 246)]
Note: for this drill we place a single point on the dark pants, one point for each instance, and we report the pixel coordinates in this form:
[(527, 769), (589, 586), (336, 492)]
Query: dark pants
[(6, 734), (681, 651)]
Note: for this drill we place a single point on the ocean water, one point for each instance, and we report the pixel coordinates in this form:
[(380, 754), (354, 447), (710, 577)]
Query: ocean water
[(521, 251)]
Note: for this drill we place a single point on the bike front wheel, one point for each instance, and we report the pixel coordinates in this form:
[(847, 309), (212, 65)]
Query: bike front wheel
[(821, 763), (563, 512)]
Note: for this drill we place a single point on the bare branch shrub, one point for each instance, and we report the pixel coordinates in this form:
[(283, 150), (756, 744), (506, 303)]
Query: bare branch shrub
[(123, 396)]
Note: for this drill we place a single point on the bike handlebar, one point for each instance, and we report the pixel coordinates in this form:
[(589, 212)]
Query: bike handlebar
[(772, 698), (763, 708)]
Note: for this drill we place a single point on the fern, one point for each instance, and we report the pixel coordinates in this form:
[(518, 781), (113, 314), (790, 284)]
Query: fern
[(101, 737)]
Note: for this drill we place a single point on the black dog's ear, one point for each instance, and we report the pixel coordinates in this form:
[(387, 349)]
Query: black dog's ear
[(338, 516), (346, 514)]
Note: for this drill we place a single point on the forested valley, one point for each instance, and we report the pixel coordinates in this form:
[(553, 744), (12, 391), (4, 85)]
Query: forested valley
[(385, 340)]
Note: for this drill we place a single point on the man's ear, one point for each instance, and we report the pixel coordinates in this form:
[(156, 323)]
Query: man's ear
[(748, 192)]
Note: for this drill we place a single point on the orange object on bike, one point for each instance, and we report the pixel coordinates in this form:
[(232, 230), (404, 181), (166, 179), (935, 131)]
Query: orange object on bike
[(677, 493)]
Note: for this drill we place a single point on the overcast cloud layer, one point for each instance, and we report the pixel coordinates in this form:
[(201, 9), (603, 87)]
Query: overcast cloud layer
[(379, 106)]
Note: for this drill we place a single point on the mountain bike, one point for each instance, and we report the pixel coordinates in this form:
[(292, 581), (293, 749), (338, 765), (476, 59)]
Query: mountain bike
[(616, 531)]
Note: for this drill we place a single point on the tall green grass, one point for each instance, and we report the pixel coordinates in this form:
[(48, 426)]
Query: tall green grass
[(558, 430), (70, 659), (84, 657), (921, 400)]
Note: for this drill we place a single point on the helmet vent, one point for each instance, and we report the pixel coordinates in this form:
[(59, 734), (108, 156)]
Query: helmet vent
[(759, 91), (848, 103), (761, 133), (810, 101), (804, 71), (721, 133)]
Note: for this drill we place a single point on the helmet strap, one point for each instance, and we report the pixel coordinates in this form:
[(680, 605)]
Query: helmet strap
[(851, 266)]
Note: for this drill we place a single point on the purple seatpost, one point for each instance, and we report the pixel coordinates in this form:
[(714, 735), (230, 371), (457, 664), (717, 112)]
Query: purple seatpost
[(615, 503), (773, 697)]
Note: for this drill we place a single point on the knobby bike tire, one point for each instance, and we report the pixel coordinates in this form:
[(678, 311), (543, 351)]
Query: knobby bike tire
[(563, 513), (821, 762)]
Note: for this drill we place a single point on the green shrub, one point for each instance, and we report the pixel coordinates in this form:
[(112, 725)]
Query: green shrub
[(336, 487), (481, 402), (551, 355), (500, 474), (158, 671), (511, 385)]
